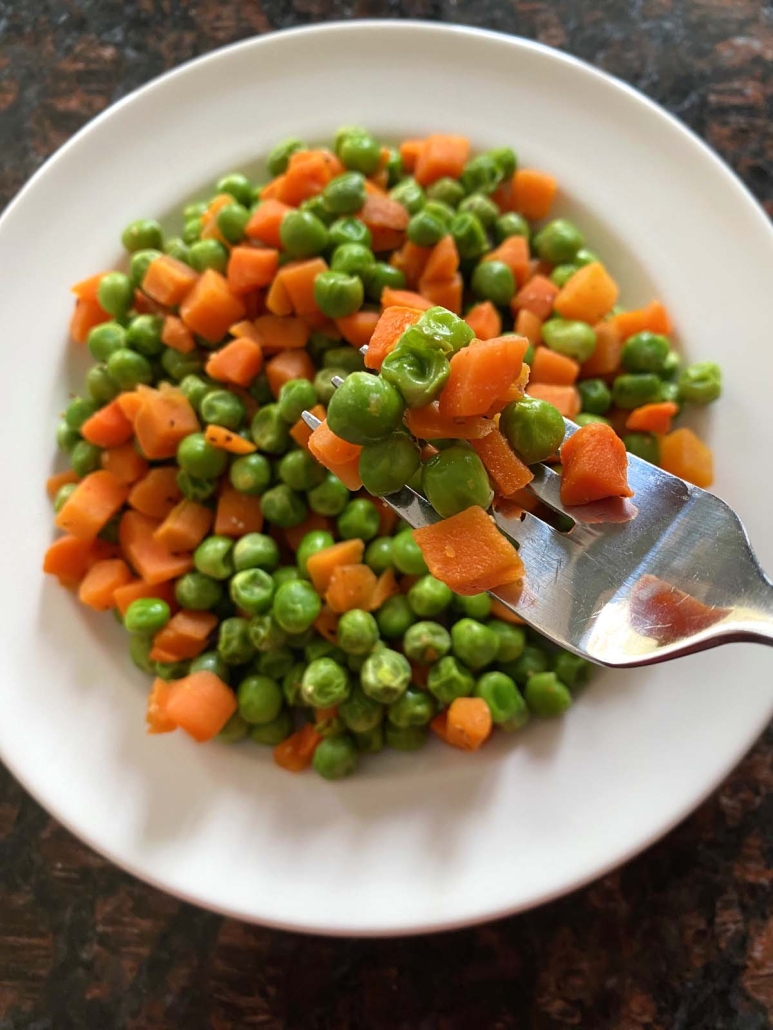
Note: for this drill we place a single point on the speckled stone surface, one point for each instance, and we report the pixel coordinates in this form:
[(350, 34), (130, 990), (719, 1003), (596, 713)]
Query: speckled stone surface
[(679, 939)]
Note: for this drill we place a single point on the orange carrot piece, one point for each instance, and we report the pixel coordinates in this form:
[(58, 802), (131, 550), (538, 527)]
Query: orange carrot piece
[(390, 327), (308, 172), (537, 295), (411, 260), (177, 335), (439, 725), (468, 553), (338, 456), (513, 252), (157, 493), (529, 325), (184, 636), (351, 586), (91, 505), (138, 589), (237, 513), (428, 424), (163, 418), (504, 467), (201, 704), (59, 479), (445, 294), (533, 192), (441, 156), (480, 373), (484, 320), (653, 318), (86, 314), (70, 558), (403, 298), (387, 220), (502, 612), (227, 440), (287, 365), (294, 534), (442, 264), (296, 283), (326, 623), (300, 432), (514, 392), (605, 358), (168, 281), (503, 196), (386, 587), (295, 753), (594, 465), (88, 289), (548, 366), (652, 418), (185, 526), (265, 222), (588, 295), (251, 268), (130, 403), (210, 307), (276, 333), (409, 153), (101, 581), (684, 455), (469, 723), (125, 463), (154, 562), (107, 427), (156, 716), (321, 565), (565, 398), (357, 329), (237, 362), (209, 229)]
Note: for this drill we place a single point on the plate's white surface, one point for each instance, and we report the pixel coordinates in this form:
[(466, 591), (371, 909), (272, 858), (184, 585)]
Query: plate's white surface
[(420, 841)]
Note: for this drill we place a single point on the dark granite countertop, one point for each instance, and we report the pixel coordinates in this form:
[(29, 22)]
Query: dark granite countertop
[(679, 939)]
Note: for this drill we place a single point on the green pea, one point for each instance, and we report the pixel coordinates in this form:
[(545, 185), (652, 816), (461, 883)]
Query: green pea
[(632, 390), (410, 194), (447, 191), (349, 230), (505, 158), (199, 458), (484, 209), (385, 675), (222, 408), (140, 261), (191, 231), (701, 383), (178, 366), (531, 661), (502, 697), (169, 671), (206, 254), (313, 542), (234, 643), (270, 432), (214, 557), (250, 474), (573, 671), (210, 661), (534, 429), (195, 209), (283, 506), (302, 234), (177, 248), (454, 479), (511, 640), (232, 221), (62, 495), (256, 551), (365, 409), (561, 274), (321, 648), (378, 553), (345, 194), (323, 383), (585, 418), (261, 390), (671, 366), (279, 156), (337, 294), (291, 684), (405, 738), (645, 352), (448, 680), (414, 708), (576, 340), (418, 370), (252, 590), (274, 663), (426, 642), (273, 733), (78, 411), (238, 185), (103, 340), (394, 617), (294, 397), (330, 497), (66, 437), (494, 281), (195, 389), (128, 369), (324, 683), (140, 646), (407, 556), (347, 358), (382, 276), (359, 712), (85, 458), (558, 242), (469, 235), (546, 695), (511, 224), (369, 742), (266, 634), (300, 471), (357, 632), (296, 606), (109, 533), (595, 396), (115, 293), (359, 519), (335, 757), (643, 445), (585, 257), (474, 643), (316, 206), (235, 729), (386, 466), (482, 174), (353, 259), (430, 224), (361, 152), (393, 166), (143, 234), (146, 615), (144, 335), (429, 597), (260, 699)]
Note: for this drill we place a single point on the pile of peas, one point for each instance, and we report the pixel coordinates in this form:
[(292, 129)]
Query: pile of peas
[(390, 671)]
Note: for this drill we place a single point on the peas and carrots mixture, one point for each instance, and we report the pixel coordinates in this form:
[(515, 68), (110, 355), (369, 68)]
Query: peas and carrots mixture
[(263, 584)]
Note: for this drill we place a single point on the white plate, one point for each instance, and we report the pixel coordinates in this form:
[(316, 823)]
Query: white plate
[(417, 842)]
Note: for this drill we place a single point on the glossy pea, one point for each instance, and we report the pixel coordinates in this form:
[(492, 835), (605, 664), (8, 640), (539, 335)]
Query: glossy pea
[(359, 712), (532, 660), (85, 458), (558, 242), (573, 671), (503, 698), (144, 334), (353, 259), (256, 551), (430, 224), (546, 695), (407, 556), (645, 352), (250, 474), (234, 643), (270, 432), (394, 617), (206, 254), (447, 191), (115, 293), (283, 506), (313, 542), (279, 155), (483, 207), (128, 369), (232, 221), (364, 409), (413, 708), (357, 632), (534, 428), (429, 597), (360, 151), (506, 160), (274, 732), (454, 479), (469, 235), (260, 699), (574, 339), (385, 675), (222, 408), (104, 339), (448, 680), (360, 519), (197, 591), (100, 386), (214, 557), (383, 275), (300, 471), (302, 234), (426, 642), (296, 606), (191, 231), (632, 390), (378, 554), (347, 358), (595, 396), (78, 411), (345, 194), (195, 488), (265, 633), (474, 643), (338, 294), (511, 640), (335, 757), (482, 174), (643, 445), (178, 366), (179, 249), (139, 263), (237, 185), (62, 494), (325, 683), (142, 234), (386, 466), (199, 458), (511, 224), (146, 615), (410, 194), (330, 497), (701, 383), (66, 437), (417, 370), (561, 274), (494, 281), (252, 590), (349, 230)]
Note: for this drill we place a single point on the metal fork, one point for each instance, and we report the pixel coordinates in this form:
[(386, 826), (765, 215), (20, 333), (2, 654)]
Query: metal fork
[(632, 583)]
